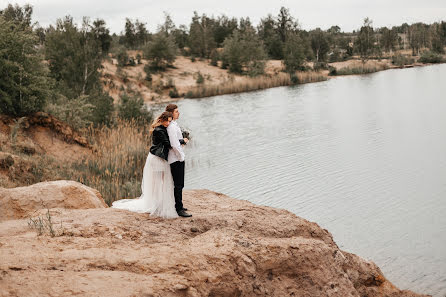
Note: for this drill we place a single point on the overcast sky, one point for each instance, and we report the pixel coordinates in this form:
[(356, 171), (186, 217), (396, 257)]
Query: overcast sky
[(347, 14)]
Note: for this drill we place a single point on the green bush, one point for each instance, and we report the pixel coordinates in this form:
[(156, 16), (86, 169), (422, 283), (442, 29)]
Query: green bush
[(332, 70), (244, 51), (294, 79), (133, 108), (174, 93), (75, 112), (123, 57), (431, 57), (147, 70), (401, 60), (103, 108), (189, 94), (161, 51), (200, 78)]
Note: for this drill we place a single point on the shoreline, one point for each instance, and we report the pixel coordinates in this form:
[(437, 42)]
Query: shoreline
[(323, 73)]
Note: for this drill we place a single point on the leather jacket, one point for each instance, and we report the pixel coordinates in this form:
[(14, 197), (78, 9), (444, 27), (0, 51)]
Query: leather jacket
[(160, 142)]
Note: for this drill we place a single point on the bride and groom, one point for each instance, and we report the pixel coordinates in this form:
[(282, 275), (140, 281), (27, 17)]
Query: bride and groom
[(163, 174)]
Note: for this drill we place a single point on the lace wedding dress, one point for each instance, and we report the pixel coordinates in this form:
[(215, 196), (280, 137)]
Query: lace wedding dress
[(157, 196)]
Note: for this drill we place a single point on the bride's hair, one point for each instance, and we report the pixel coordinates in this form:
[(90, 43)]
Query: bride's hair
[(159, 120)]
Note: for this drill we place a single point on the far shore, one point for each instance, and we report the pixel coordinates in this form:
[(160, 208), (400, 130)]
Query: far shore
[(184, 76)]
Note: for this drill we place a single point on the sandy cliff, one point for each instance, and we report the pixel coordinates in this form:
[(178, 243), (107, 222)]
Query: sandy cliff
[(228, 248)]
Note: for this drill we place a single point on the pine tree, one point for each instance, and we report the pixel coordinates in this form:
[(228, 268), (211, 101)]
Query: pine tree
[(24, 84)]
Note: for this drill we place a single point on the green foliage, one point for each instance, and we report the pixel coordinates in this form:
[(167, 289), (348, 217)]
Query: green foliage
[(285, 24), (271, 38), (417, 34), (161, 51), (122, 57), (74, 56), (76, 112), (147, 70), (319, 44), (103, 108), (336, 56), (101, 35), (200, 78), (133, 108), (332, 70), (431, 57), (135, 34), (181, 37), (24, 83), (365, 41), (275, 32), (174, 93), (201, 36), (244, 51), (401, 60), (294, 79), (438, 37), (389, 39), (20, 16), (223, 28), (294, 54)]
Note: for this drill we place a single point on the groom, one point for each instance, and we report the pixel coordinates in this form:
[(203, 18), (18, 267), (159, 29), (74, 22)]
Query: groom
[(176, 159)]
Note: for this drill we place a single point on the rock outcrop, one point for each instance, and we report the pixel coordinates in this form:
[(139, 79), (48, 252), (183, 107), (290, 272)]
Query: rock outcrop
[(228, 248), (23, 202)]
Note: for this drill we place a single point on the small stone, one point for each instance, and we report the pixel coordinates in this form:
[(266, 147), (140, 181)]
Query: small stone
[(193, 229), (179, 287)]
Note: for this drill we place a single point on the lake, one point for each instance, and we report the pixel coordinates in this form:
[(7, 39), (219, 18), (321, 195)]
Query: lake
[(362, 156)]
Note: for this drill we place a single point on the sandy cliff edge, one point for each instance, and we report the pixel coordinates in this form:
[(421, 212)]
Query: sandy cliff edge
[(229, 247)]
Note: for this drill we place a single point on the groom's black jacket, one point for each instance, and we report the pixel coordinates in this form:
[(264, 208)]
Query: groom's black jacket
[(161, 143)]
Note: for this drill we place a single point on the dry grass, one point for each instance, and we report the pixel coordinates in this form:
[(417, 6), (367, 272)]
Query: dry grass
[(358, 67), (252, 84), (310, 77), (115, 168)]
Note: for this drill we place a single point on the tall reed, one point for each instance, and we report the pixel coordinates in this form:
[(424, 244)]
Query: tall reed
[(252, 84), (310, 77), (115, 168), (246, 85), (360, 69)]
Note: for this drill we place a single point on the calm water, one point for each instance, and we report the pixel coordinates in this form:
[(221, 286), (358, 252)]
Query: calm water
[(363, 156)]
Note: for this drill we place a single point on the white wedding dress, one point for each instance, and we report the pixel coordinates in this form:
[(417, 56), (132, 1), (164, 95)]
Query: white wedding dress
[(157, 196)]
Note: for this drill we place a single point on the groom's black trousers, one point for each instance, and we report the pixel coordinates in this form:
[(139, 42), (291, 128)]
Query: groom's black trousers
[(177, 169)]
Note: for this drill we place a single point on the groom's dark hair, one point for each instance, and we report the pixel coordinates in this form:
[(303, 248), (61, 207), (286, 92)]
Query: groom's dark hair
[(171, 107)]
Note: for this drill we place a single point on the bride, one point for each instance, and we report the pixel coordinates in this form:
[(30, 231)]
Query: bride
[(157, 186)]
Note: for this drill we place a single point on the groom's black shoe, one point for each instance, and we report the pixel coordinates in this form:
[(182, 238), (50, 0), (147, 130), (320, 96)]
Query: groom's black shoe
[(184, 214)]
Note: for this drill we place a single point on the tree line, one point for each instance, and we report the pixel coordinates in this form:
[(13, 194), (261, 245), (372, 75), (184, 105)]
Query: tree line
[(56, 68)]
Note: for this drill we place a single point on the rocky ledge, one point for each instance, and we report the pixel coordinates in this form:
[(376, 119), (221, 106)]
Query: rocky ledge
[(228, 248)]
